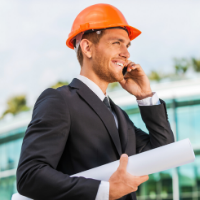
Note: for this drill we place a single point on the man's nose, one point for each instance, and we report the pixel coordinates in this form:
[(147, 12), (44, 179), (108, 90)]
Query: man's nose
[(125, 53)]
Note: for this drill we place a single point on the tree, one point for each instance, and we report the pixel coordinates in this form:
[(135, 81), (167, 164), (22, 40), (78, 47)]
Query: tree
[(113, 86), (59, 84), (155, 76), (16, 105), (196, 65), (181, 66)]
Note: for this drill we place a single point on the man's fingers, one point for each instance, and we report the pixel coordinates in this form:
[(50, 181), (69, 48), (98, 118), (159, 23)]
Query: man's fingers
[(128, 62), (131, 64), (123, 162), (142, 179)]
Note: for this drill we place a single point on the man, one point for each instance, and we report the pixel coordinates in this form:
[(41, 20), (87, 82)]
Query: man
[(77, 127)]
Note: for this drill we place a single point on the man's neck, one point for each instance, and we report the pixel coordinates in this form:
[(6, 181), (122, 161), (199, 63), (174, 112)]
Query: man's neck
[(93, 77)]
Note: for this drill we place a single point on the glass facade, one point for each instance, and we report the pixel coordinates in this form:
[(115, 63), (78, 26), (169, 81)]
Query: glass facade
[(7, 187), (181, 183), (184, 117), (10, 147)]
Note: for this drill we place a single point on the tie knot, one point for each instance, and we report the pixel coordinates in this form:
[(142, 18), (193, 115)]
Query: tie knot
[(106, 102)]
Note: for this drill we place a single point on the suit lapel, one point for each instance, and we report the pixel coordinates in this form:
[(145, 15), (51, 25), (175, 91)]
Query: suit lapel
[(122, 125), (98, 106)]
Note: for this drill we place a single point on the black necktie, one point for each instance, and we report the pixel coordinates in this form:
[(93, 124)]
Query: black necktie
[(122, 139), (106, 102)]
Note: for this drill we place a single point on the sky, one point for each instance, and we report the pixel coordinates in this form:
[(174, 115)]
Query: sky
[(34, 56)]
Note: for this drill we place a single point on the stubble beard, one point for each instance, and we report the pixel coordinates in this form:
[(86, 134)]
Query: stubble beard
[(103, 72)]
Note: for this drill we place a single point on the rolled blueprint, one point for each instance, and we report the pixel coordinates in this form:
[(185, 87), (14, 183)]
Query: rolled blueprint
[(149, 162)]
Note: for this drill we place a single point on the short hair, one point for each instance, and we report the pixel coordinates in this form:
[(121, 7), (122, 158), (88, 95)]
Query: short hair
[(92, 37)]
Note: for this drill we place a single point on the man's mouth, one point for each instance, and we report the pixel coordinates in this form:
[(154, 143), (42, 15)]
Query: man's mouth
[(120, 64), (117, 63)]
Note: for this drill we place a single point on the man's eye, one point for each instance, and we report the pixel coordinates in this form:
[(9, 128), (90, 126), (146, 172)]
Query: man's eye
[(116, 43)]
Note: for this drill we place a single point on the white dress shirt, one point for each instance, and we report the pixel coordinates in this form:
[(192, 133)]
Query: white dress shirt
[(103, 191)]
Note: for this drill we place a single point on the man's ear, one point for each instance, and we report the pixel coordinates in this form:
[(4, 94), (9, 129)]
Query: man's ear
[(86, 47)]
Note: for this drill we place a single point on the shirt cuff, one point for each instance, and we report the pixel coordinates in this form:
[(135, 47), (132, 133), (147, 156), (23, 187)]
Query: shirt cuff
[(103, 191), (149, 101)]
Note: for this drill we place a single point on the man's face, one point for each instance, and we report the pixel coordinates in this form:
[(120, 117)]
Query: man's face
[(110, 54)]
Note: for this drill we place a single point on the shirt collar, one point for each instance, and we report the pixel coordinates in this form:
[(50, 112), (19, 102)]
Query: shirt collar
[(93, 86)]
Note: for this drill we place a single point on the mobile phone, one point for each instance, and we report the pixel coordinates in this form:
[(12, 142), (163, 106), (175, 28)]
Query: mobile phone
[(124, 71)]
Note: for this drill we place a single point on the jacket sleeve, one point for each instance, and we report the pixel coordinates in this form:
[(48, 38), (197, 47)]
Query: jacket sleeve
[(42, 148), (156, 120)]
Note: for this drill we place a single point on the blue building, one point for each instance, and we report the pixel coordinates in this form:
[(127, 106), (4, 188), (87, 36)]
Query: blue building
[(183, 104)]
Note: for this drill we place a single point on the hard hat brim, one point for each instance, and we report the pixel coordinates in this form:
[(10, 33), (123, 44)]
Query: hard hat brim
[(133, 33)]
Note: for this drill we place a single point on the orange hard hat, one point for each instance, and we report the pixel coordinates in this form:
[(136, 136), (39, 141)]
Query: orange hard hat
[(99, 16)]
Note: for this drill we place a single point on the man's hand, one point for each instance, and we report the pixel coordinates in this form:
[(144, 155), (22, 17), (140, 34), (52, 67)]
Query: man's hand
[(123, 183), (136, 81)]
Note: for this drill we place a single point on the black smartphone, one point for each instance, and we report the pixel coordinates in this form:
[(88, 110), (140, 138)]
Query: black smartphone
[(124, 71)]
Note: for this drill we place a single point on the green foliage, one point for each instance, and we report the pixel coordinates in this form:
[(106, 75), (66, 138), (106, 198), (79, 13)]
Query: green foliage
[(181, 65), (155, 76), (113, 86), (15, 105), (59, 84), (196, 65)]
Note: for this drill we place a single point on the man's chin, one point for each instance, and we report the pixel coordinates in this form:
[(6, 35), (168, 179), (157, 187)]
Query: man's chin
[(117, 79)]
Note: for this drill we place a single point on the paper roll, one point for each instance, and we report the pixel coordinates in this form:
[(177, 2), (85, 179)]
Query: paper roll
[(152, 161)]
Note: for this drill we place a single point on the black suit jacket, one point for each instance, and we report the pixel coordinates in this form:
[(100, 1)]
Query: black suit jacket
[(71, 131)]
